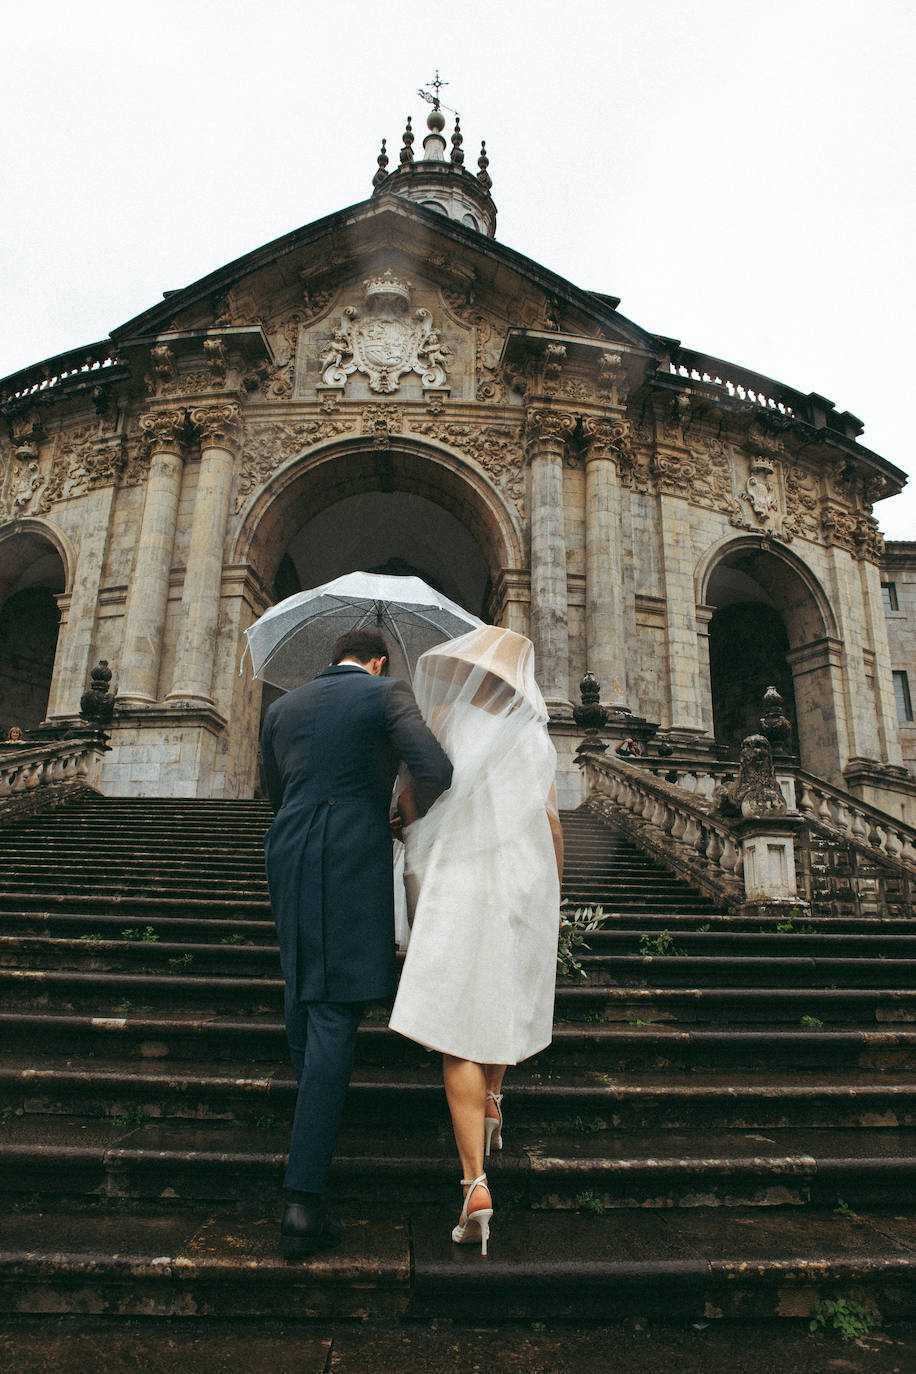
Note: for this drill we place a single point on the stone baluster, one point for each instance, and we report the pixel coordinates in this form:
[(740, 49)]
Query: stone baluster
[(546, 432), (149, 583), (605, 638), (219, 429)]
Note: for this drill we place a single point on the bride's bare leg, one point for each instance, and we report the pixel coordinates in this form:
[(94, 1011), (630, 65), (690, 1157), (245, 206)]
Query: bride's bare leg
[(466, 1093), (494, 1074)]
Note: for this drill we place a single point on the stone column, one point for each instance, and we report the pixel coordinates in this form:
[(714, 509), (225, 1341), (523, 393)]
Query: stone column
[(546, 432), (219, 429), (74, 645), (605, 652), (149, 583)]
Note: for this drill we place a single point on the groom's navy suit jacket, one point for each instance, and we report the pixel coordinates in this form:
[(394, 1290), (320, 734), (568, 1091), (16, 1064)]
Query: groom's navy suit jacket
[(331, 751)]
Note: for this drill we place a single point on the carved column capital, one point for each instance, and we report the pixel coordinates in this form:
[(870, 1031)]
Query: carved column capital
[(218, 426), (605, 438), (163, 429), (545, 428)]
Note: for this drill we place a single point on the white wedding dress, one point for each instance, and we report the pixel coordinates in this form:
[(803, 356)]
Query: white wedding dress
[(480, 971)]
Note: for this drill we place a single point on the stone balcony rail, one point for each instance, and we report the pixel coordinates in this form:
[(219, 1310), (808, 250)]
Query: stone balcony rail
[(90, 364), (33, 776), (740, 384)]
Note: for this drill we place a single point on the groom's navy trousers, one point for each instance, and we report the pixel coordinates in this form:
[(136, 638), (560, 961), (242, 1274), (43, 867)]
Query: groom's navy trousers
[(331, 750)]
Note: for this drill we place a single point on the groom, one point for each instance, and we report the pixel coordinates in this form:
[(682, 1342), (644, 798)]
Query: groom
[(331, 751)]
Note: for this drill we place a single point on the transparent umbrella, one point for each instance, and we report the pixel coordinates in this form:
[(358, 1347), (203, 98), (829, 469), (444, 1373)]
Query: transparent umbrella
[(292, 642)]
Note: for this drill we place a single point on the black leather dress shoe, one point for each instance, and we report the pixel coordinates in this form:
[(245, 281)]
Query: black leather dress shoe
[(306, 1227)]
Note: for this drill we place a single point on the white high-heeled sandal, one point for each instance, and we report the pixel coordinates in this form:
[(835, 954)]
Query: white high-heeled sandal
[(472, 1224), (493, 1125)]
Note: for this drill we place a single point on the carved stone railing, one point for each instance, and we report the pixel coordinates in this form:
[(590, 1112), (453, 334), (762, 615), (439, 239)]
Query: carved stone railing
[(669, 823), (866, 827), (850, 858), (34, 777), (854, 821), (89, 364), (740, 384)]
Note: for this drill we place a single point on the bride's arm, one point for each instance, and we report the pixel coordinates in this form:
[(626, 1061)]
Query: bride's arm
[(407, 804), (556, 829)]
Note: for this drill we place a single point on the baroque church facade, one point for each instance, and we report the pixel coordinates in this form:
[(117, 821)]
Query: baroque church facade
[(392, 388)]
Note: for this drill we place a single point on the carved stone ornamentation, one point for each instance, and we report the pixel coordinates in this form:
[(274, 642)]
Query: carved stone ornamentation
[(97, 705), (217, 361), (82, 462), (381, 416), (494, 448), (165, 369), (218, 426), (162, 429), (26, 480), (545, 427), (758, 496), (802, 502), (272, 445), (487, 345), (384, 344), (608, 378), (755, 793), (277, 382), (606, 438)]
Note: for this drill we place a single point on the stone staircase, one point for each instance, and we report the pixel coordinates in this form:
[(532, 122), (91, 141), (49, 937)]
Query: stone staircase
[(723, 1125)]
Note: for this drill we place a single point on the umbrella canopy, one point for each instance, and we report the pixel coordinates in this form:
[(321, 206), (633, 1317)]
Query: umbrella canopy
[(292, 642)]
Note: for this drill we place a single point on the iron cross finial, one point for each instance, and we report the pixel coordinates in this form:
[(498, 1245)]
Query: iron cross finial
[(433, 99)]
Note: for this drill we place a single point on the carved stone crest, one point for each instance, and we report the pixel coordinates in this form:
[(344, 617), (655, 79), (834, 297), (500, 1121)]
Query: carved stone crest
[(384, 343)]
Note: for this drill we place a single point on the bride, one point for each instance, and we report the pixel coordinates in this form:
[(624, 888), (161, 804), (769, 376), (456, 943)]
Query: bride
[(482, 870)]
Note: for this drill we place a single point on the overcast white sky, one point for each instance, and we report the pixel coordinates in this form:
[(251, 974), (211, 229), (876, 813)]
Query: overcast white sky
[(740, 174)]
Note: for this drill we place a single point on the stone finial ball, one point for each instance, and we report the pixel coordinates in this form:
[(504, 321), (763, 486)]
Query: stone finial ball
[(435, 121)]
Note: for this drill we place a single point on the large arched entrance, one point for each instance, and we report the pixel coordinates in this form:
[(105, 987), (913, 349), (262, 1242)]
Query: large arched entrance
[(771, 625), (32, 576), (396, 506)]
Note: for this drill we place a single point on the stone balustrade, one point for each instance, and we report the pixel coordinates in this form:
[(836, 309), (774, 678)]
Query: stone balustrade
[(32, 774), (85, 364), (856, 822), (740, 384), (670, 823)]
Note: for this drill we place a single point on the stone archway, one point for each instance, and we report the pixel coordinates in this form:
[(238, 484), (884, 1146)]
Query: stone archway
[(33, 575), (404, 507), (771, 622)]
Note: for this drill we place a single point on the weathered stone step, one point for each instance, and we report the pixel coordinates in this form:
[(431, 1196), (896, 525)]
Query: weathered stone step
[(619, 935), (602, 970), (97, 1088), (640, 1047), (213, 1262), (65, 989), (116, 1165)]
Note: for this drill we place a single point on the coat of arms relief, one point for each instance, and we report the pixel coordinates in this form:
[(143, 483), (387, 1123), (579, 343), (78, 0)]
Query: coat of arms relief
[(385, 342)]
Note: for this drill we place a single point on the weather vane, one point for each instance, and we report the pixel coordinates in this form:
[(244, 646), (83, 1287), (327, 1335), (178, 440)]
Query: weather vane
[(434, 99)]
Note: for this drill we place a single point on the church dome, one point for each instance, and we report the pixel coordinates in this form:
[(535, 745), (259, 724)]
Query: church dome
[(439, 183)]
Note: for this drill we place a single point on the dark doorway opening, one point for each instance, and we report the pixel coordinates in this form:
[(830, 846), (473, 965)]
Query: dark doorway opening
[(748, 644)]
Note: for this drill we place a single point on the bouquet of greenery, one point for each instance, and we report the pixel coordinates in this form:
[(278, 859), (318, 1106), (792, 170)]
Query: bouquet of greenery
[(574, 926)]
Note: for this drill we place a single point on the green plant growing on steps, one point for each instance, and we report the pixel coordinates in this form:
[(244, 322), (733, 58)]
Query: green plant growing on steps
[(125, 1006), (236, 939), (266, 1122), (574, 927), (843, 1209), (9, 1113), (660, 946), (180, 962), (850, 1318), (147, 935), (134, 1116), (589, 1202), (811, 1023), (633, 1020), (704, 928), (92, 939)]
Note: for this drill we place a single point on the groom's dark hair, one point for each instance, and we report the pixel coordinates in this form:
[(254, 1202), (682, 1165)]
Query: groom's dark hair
[(362, 645)]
